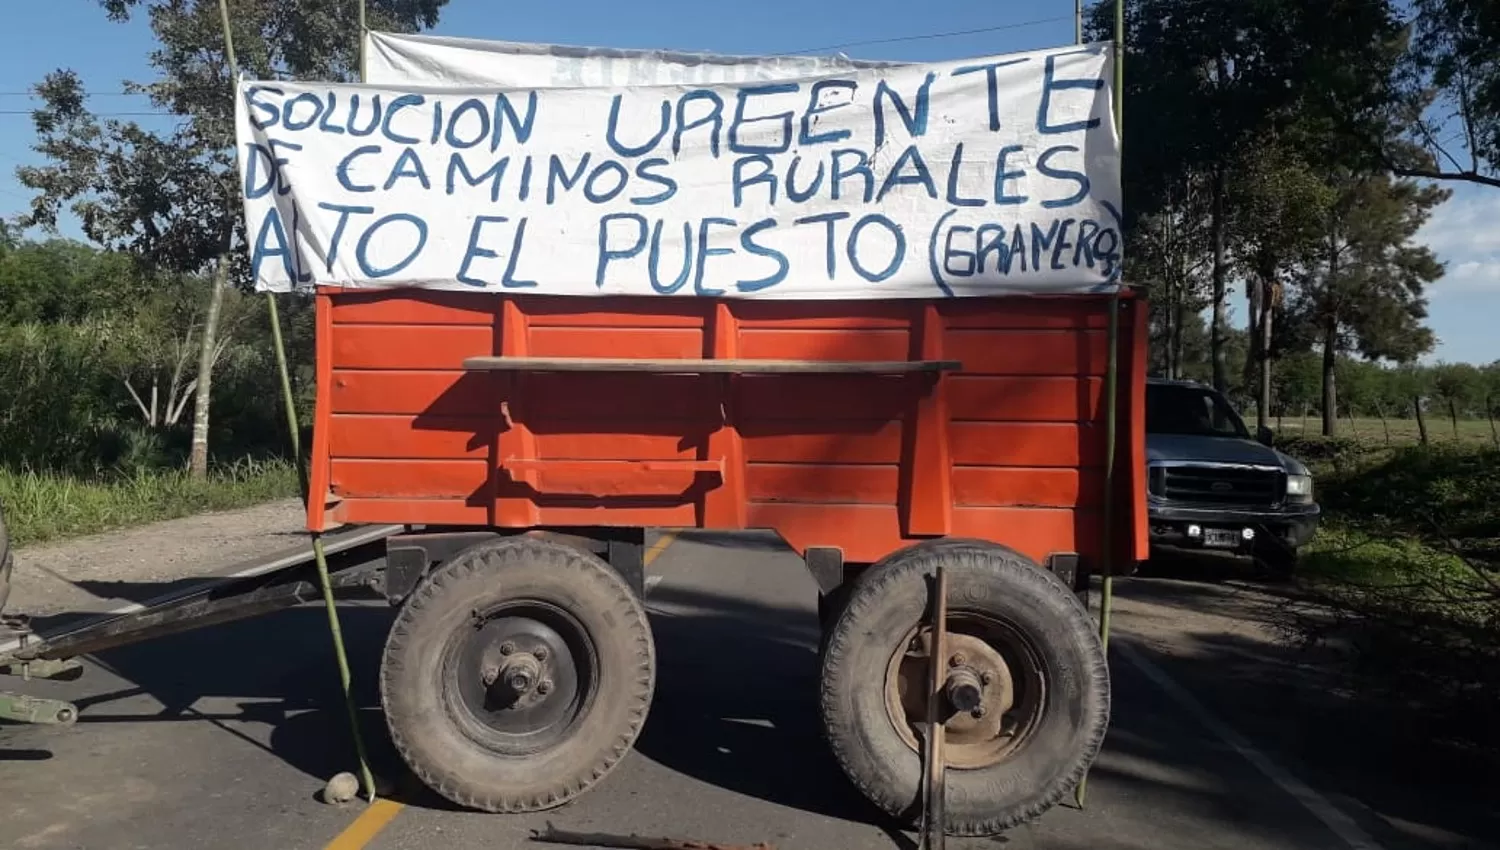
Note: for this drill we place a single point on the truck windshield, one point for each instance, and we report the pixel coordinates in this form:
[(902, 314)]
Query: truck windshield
[(1190, 411)]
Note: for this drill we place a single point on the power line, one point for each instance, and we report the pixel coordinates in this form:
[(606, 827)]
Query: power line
[(87, 94), (901, 39), (163, 113)]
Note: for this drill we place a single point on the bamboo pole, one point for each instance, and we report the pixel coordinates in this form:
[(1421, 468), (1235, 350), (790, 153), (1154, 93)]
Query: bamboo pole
[(364, 30), (341, 657), (1111, 381)]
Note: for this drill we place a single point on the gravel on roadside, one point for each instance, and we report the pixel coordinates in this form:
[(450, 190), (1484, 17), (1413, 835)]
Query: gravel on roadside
[(104, 571)]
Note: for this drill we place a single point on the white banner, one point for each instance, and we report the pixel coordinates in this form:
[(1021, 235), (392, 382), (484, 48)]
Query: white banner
[(397, 59), (976, 177)]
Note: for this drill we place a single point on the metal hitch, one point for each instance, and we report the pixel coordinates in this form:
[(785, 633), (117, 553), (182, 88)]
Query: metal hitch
[(20, 708)]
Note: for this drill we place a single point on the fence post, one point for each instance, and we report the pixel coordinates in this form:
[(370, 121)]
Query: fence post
[(1489, 412)]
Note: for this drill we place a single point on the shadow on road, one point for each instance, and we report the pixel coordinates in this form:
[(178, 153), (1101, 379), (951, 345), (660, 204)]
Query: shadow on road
[(1397, 772), (24, 755), (735, 707), (736, 703)]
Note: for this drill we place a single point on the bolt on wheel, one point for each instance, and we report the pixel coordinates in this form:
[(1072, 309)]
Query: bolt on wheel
[(521, 678), (992, 696)]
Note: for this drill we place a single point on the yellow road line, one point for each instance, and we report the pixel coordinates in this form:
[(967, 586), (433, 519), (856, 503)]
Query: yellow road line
[(666, 539), (380, 813), (365, 827)]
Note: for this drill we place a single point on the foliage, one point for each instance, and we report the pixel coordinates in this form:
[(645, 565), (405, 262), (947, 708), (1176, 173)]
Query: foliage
[(41, 506), (79, 388), (1406, 577), (1266, 175), (171, 199), (1446, 103), (1446, 494)]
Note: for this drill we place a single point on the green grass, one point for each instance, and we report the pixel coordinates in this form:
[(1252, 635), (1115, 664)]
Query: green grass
[(1402, 432), (1406, 571), (43, 506)]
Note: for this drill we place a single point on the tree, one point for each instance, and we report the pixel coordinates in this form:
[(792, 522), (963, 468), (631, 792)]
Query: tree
[(172, 199), (1367, 292), (1281, 204), (1169, 254), (1216, 79), (1443, 122), (61, 280)]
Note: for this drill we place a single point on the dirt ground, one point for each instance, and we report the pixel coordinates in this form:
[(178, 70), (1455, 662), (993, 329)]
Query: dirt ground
[(105, 571)]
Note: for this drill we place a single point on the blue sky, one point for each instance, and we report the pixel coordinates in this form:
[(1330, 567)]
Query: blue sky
[(1464, 306)]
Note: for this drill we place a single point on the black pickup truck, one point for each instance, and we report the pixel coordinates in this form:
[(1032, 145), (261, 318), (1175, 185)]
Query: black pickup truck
[(1212, 486)]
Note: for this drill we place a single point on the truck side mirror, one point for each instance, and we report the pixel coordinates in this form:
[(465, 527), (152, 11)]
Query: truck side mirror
[(1265, 435)]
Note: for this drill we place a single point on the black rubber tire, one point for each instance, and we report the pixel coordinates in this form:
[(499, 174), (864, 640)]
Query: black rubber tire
[(830, 606), (985, 578), (412, 687)]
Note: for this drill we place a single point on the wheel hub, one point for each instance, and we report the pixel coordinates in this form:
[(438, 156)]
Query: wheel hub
[(984, 710), (517, 680)]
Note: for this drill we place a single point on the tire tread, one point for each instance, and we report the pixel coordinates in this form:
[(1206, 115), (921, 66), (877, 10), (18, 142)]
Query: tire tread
[(887, 576), (568, 565)]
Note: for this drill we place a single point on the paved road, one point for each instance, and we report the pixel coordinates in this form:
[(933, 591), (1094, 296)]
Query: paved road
[(222, 738)]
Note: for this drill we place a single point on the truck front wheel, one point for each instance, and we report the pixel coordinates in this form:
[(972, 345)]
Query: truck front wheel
[(1024, 655), (518, 675)]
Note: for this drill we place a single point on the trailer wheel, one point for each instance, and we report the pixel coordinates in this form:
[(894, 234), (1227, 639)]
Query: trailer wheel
[(1017, 637), (517, 675)]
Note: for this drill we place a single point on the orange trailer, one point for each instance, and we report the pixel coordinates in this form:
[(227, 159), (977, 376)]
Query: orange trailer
[(534, 439), (900, 442), (896, 361)]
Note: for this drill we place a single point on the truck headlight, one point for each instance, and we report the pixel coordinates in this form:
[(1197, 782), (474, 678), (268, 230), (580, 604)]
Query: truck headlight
[(1299, 487)]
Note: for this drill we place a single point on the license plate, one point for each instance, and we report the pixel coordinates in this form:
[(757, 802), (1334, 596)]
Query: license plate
[(1220, 538)]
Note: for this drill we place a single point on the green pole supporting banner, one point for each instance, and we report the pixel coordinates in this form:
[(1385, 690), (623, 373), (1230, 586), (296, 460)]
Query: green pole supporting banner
[(364, 29), (319, 557), (1112, 375), (1112, 371)]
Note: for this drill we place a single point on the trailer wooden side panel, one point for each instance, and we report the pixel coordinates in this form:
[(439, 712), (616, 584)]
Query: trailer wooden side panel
[(1009, 447)]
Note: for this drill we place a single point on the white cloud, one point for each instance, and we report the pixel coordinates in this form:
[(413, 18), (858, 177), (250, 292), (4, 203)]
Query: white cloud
[(1465, 234), (1471, 276)]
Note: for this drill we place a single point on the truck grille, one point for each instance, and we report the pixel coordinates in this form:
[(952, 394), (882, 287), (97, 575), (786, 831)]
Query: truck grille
[(1219, 485)]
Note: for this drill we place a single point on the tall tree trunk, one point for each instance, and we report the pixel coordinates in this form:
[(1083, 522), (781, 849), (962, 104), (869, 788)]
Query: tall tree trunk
[(198, 460), (1252, 334), (1264, 329), (1330, 388), (1179, 311), (1220, 275), (1168, 321)]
